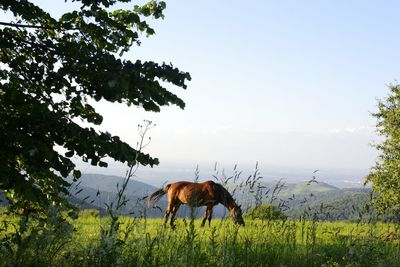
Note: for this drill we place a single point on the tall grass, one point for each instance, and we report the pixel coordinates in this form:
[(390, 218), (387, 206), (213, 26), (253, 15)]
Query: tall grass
[(115, 240), (144, 242)]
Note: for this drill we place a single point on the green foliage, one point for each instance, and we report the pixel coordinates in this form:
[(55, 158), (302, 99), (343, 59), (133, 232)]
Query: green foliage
[(144, 242), (33, 241), (345, 204), (385, 176), (50, 71), (265, 212), (88, 213), (305, 188)]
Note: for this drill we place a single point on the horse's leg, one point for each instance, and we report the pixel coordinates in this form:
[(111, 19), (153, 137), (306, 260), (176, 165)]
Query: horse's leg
[(166, 217), (173, 214), (167, 213), (210, 211), (205, 217)]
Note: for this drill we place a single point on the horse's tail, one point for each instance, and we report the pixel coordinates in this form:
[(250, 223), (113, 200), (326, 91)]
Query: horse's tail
[(153, 198)]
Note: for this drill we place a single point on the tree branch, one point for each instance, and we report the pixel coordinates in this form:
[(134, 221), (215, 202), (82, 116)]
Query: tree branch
[(17, 25)]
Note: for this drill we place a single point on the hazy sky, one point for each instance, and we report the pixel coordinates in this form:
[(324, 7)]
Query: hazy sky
[(286, 83), (289, 83)]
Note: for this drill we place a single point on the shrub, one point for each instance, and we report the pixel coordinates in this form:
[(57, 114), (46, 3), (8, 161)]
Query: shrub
[(265, 212), (89, 213)]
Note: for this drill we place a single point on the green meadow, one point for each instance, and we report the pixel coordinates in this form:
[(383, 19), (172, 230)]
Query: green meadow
[(91, 240)]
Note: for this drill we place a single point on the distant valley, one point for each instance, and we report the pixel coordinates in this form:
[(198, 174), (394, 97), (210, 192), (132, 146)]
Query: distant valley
[(306, 198), (170, 172), (95, 190)]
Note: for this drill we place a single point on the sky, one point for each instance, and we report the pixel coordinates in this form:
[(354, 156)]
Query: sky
[(288, 84)]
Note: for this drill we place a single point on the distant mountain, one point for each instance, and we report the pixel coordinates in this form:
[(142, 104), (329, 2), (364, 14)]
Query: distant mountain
[(311, 198), (108, 183), (296, 199), (318, 198), (83, 205), (278, 192), (100, 191), (343, 204), (307, 187)]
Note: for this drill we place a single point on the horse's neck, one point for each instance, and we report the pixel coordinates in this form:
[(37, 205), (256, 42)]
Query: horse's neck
[(227, 200), (230, 206)]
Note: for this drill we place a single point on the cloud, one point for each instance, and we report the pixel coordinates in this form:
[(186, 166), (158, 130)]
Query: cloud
[(353, 130), (223, 129)]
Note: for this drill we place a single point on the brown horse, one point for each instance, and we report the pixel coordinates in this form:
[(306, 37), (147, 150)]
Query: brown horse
[(195, 195)]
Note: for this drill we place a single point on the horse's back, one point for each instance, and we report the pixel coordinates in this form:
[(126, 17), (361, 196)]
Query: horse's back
[(179, 185), (182, 184), (190, 192)]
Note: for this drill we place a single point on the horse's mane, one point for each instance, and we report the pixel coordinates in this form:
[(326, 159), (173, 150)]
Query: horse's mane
[(226, 196)]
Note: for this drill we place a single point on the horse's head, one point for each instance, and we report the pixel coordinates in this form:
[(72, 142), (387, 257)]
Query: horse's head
[(236, 214)]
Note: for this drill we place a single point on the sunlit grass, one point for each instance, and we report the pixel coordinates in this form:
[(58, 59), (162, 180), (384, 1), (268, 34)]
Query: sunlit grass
[(144, 242), (260, 242)]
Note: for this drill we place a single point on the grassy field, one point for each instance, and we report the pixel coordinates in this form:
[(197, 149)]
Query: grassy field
[(95, 241)]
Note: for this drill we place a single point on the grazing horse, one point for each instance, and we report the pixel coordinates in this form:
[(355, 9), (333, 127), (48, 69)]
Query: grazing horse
[(195, 195)]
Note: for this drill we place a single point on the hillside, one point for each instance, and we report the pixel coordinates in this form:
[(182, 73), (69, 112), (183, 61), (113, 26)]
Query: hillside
[(329, 202), (304, 188), (108, 183), (309, 198), (101, 190), (294, 198), (83, 205), (342, 204), (279, 193), (299, 190)]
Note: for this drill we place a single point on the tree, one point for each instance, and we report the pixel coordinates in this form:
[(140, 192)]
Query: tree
[(385, 176), (50, 69), (266, 212)]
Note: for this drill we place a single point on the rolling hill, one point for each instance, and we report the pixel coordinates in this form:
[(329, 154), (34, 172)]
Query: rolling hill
[(101, 190), (96, 191), (109, 183)]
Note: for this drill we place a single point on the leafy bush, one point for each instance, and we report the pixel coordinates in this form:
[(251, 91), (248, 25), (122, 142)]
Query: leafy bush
[(89, 213), (265, 212), (32, 240)]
